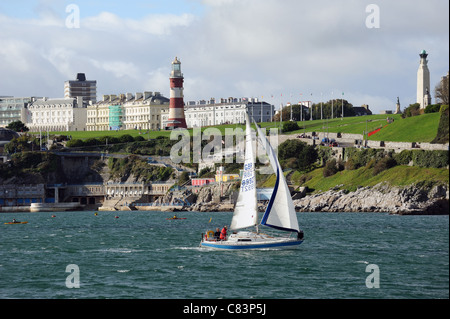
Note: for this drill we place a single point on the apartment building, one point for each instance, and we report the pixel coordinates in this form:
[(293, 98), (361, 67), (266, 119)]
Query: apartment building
[(58, 114), (15, 109), (81, 87), (125, 111), (224, 111)]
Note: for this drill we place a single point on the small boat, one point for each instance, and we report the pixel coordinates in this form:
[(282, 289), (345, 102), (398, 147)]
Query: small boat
[(173, 218), (13, 223), (280, 213)]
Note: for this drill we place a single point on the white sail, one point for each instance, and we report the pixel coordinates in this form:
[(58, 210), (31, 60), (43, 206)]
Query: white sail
[(280, 212), (246, 209)]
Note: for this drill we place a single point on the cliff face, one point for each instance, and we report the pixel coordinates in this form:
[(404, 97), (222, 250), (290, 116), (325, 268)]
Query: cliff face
[(380, 198)]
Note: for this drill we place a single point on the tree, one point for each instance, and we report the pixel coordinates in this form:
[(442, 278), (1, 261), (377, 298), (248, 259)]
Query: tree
[(184, 177), (297, 155), (411, 110), (290, 126), (290, 148), (22, 143), (441, 91), (307, 157), (17, 126), (316, 109)]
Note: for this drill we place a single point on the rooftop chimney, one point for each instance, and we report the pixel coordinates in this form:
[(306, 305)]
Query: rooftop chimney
[(81, 77)]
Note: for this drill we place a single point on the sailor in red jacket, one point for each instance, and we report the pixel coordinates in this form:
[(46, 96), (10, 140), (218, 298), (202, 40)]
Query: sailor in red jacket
[(223, 233)]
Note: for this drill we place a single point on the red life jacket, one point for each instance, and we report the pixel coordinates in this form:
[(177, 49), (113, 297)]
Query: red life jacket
[(223, 234)]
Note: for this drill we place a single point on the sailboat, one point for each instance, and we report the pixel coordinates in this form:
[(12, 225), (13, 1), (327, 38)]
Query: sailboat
[(280, 212)]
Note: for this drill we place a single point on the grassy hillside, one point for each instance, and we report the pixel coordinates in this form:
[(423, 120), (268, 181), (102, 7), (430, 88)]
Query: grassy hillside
[(352, 179), (421, 128)]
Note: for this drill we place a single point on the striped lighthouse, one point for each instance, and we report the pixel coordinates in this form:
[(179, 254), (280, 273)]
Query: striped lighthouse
[(176, 108)]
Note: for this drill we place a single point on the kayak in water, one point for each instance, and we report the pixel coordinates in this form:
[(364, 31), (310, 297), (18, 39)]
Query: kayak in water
[(12, 223), (175, 217)]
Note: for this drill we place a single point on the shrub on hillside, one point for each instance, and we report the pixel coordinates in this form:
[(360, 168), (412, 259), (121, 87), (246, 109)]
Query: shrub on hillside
[(297, 155), (383, 164), (126, 138), (436, 159), (412, 110), (422, 158), (75, 143), (361, 157), (442, 136), (91, 141), (290, 126), (290, 148), (432, 108), (307, 157), (330, 168), (403, 158)]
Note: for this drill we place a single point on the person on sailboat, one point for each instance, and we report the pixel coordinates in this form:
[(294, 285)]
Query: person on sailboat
[(217, 234), (223, 233)]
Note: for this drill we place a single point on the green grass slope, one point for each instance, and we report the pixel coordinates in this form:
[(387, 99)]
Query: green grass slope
[(352, 179), (422, 128)]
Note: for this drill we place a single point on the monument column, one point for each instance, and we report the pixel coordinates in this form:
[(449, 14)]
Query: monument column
[(423, 81)]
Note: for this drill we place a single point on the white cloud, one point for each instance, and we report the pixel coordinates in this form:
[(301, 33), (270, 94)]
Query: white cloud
[(155, 24), (234, 48)]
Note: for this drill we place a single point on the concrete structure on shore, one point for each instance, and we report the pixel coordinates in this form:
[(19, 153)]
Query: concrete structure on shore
[(21, 195), (51, 197)]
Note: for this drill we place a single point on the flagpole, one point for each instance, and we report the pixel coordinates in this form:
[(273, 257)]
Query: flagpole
[(281, 117), (321, 104), (332, 105), (261, 109), (291, 107)]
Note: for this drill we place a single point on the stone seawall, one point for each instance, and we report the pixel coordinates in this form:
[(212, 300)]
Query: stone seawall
[(351, 139)]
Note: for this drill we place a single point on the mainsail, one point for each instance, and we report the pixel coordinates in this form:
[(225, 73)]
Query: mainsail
[(280, 212), (246, 209)]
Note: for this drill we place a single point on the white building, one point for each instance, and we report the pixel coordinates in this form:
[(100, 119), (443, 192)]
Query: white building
[(14, 109), (125, 111), (56, 115), (227, 111)]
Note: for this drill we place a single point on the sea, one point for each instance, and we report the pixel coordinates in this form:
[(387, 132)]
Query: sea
[(144, 255)]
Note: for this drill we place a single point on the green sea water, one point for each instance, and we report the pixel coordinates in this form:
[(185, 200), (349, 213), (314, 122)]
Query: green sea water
[(144, 255)]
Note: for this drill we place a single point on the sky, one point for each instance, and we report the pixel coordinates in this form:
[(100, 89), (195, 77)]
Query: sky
[(279, 50)]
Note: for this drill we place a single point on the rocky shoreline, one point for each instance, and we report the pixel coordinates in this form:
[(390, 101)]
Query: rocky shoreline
[(382, 198), (409, 200)]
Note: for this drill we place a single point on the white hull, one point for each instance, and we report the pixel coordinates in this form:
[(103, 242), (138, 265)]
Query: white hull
[(250, 240), (54, 207)]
